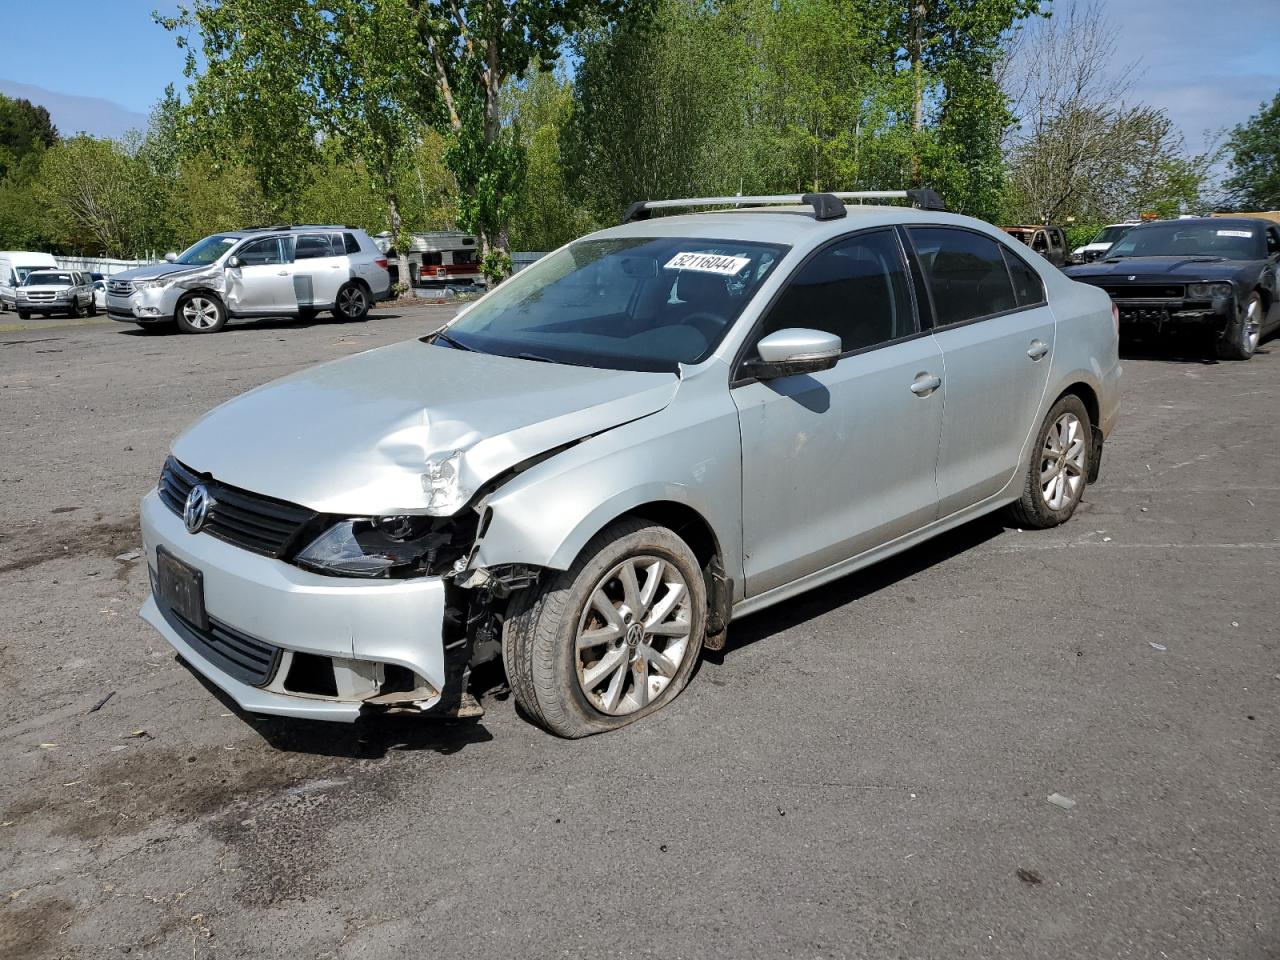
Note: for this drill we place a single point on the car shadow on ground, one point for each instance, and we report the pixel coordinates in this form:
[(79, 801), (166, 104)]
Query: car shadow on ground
[(267, 323), (854, 586)]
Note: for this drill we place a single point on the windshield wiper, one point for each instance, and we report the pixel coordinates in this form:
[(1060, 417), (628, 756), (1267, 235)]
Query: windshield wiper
[(536, 357), (456, 344)]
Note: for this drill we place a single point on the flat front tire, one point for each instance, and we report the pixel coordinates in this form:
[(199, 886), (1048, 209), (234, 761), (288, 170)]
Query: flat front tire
[(1241, 338), (1058, 466), (200, 313), (613, 638)]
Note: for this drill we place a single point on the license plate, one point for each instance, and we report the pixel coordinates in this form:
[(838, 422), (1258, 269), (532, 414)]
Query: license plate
[(181, 587)]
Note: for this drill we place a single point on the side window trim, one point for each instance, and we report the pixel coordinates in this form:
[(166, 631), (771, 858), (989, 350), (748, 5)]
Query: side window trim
[(736, 378), (989, 316)]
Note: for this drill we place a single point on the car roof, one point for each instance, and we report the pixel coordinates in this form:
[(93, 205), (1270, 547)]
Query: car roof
[(1209, 221), (790, 225)]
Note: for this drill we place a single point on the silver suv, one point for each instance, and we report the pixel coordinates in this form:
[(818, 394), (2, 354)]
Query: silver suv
[(50, 291), (281, 271), (597, 466)]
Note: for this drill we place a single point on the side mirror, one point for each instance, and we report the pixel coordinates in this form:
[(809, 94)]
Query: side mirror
[(170, 257), (233, 262), (787, 353)]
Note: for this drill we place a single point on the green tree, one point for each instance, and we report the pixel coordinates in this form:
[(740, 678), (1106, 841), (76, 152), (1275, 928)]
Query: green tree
[(24, 128), (89, 188), (1254, 147)]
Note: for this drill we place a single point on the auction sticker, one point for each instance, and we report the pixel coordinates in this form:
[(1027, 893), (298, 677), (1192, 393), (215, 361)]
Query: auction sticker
[(1235, 233), (707, 263)]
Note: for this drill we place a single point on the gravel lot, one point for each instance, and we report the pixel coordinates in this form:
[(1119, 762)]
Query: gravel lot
[(863, 773)]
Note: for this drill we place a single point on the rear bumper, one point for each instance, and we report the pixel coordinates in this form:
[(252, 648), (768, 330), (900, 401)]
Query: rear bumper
[(358, 626)]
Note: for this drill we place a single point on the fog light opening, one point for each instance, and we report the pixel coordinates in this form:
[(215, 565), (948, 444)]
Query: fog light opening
[(313, 674)]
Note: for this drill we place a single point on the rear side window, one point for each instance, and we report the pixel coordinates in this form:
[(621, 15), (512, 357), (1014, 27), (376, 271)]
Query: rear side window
[(857, 289), (965, 272), (1027, 286), (311, 246), (350, 243)]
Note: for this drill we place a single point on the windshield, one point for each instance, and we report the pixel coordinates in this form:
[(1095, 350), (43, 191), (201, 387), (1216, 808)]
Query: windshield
[(1219, 240), (634, 303), (23, 272), (35, 279), (206, 251), (1110, 234)]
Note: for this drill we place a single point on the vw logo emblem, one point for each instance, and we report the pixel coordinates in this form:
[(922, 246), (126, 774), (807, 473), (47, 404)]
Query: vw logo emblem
[(196, 509)]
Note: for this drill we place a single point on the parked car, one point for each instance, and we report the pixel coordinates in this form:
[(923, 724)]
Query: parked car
[(281, 271), (1211, 274), (597, 466), (1049, 242), (1102, 242), (14, 267), (100, 293), (47, 292)]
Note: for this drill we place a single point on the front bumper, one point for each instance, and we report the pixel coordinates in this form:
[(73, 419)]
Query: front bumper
[(1176, 314), (362, 627), (144, 306)]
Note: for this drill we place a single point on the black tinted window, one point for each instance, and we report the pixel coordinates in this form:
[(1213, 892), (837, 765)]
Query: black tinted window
[(311, 246), (260, 252), (856, 289), (965, 272), (1027, 286), (352, 245), (1273, 240)]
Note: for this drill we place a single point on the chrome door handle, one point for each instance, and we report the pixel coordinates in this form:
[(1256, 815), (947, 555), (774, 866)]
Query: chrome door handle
[(1037, 349), (925, 384), (282, 273)]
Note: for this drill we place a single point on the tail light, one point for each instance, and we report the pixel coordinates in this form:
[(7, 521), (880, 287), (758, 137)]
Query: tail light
[(381, 262), (1115, 318)]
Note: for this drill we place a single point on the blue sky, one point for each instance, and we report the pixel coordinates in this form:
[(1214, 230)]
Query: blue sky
[(1210, 63)]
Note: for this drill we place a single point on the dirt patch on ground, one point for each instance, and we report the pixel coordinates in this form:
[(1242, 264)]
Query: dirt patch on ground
[(104, 538), (150, 782), (28, 930)]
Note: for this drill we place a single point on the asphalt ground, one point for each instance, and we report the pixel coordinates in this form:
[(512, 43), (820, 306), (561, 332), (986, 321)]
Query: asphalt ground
[(863, 773)]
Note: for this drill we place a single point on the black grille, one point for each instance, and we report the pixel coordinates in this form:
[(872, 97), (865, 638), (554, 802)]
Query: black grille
[(1147, 291), (248, 520), (246, 658)]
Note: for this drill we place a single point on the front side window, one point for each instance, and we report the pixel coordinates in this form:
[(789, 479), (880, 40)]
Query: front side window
[(856, 289), (1273, 240), (259, 252), (965, 272), (627, 303)]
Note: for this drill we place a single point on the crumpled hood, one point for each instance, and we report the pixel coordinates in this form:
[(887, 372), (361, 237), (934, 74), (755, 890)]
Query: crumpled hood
[(1157, 268), (353, 436), (157, 270)]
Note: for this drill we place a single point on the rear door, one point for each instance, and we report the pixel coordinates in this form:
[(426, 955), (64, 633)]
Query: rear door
[(996, 333), (837, 462), (318, 269), (263, 282)]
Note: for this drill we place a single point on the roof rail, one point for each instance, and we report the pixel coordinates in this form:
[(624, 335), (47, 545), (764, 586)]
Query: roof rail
[(826, 206)]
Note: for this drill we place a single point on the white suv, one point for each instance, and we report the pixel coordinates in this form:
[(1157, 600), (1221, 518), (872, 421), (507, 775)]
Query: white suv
[(281, 271)]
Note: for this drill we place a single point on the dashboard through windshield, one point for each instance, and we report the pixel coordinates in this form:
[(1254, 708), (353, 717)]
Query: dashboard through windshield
[(630, 303)]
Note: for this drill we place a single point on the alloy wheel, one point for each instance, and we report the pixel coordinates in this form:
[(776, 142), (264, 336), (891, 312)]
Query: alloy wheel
[(1252, 332), (200, 313), (351, 302), (1062, 462), (633, 635)]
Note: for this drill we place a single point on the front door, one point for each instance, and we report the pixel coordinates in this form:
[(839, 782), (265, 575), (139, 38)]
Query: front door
[(262, 283), (837, 462), (996, 333)]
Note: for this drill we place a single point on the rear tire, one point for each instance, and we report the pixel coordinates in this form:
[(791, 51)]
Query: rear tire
[(1242, 336), (1058, 467), (577, 648), (200, 313), (352, 303), (24, 314), (93, 308)]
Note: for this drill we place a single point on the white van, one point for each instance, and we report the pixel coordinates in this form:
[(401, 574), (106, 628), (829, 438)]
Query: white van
[(14, 267)]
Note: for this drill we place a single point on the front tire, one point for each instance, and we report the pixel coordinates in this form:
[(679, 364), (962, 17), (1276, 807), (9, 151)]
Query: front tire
[(352, 303), (24, 314), (200, 313), (1059, 467), (613, 638), (1242, 336)]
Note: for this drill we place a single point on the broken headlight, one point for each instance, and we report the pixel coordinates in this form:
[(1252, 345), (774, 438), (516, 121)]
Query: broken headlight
[(402, 546)]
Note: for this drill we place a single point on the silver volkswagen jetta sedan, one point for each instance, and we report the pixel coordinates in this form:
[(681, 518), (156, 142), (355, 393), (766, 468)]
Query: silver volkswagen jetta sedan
[(592, 470)]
